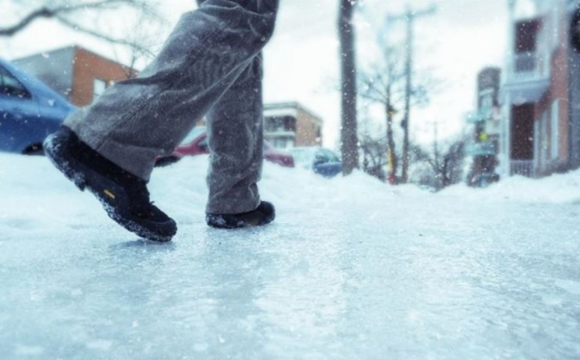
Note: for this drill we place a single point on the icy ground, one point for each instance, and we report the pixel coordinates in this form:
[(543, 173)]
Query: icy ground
[(351, 269)]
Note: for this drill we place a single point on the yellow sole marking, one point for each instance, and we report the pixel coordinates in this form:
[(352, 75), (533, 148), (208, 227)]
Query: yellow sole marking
[(109, 194)]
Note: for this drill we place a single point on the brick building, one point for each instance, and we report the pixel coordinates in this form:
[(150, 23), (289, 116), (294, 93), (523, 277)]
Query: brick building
[(541, 131), (290, 124), (78, 74)]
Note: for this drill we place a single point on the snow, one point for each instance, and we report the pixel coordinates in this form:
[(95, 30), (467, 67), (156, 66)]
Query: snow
[(351, 269), (558, 188)]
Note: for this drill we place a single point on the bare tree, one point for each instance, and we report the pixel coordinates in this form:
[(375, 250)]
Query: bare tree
[(374, 153), (66, 12), (446, 167), (349, 145), (373, 149), (449, 168), (384, 83), (377, 86), (147, 38)]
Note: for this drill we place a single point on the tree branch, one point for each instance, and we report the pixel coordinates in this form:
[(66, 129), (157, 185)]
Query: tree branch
[(39, 13), (77, 27), (48, 12)]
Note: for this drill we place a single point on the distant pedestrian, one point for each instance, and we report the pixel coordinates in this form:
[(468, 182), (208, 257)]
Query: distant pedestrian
[(211, 65)]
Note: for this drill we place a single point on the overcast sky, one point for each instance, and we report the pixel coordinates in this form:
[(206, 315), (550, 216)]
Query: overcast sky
[(301, 62), (460, 39)]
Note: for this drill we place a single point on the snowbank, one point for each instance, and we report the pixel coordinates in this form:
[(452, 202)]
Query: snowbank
[(35, 196), (558, 188)]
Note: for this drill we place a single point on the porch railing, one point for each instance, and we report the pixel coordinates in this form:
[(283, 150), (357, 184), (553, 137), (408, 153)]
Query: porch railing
[(523, 168), (529, 66)]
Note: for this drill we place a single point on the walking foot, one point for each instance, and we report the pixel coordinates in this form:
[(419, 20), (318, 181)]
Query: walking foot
[(264, 214), (123, 195)]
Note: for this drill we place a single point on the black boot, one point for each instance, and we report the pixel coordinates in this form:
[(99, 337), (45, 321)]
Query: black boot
[(264, 214), (124, 196)]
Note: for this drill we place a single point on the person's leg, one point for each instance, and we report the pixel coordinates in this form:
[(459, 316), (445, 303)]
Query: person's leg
[(113, 144), (236, 143), (137, 120), (234, 126)]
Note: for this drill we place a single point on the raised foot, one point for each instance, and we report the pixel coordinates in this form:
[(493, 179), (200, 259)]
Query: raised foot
[(124, 196)]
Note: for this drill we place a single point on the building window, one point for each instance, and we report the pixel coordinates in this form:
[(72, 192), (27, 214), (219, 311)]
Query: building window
[(556, 25), (99, 87), (487, 102), (526, 35), (280, 124), (282, 143), (544, 141), (555, 133), (486, 99), (537, 142)]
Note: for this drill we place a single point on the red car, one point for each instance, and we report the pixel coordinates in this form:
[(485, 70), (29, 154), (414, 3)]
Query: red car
[(196, 144)]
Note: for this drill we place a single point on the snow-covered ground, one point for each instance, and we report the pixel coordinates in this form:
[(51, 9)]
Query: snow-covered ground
[(351, 269)]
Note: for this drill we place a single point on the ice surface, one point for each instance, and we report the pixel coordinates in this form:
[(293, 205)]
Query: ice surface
[(351, 269)]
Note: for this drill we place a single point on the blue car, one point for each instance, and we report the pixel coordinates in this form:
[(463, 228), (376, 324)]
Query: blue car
[(320, 160), (29, 111)]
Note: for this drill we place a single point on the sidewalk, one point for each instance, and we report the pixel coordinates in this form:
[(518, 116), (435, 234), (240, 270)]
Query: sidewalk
[(351, 269)]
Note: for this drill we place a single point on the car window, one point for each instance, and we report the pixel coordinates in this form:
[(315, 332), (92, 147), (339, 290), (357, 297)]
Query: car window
[(10, 86), (330, 155), (321, 156), (193, 134), (202, 143)]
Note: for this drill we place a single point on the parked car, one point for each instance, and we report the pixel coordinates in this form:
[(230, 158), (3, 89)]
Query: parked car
[(195, 143), (320, 160), (29, 111)]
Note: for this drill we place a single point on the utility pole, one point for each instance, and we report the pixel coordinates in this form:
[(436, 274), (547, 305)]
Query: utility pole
[(409, 16), (392, 160)]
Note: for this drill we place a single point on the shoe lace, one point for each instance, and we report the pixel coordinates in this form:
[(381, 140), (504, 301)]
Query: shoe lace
[(141, 205), (141, 199)]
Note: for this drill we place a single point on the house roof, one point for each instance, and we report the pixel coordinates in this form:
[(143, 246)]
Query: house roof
[(70, 48), (291, 107)]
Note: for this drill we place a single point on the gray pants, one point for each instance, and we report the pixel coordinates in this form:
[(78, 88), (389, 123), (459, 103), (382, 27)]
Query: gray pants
[(211, 65)]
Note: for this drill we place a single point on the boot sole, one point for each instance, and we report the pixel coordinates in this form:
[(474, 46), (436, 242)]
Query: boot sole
[(241, 223), (86, 179)]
